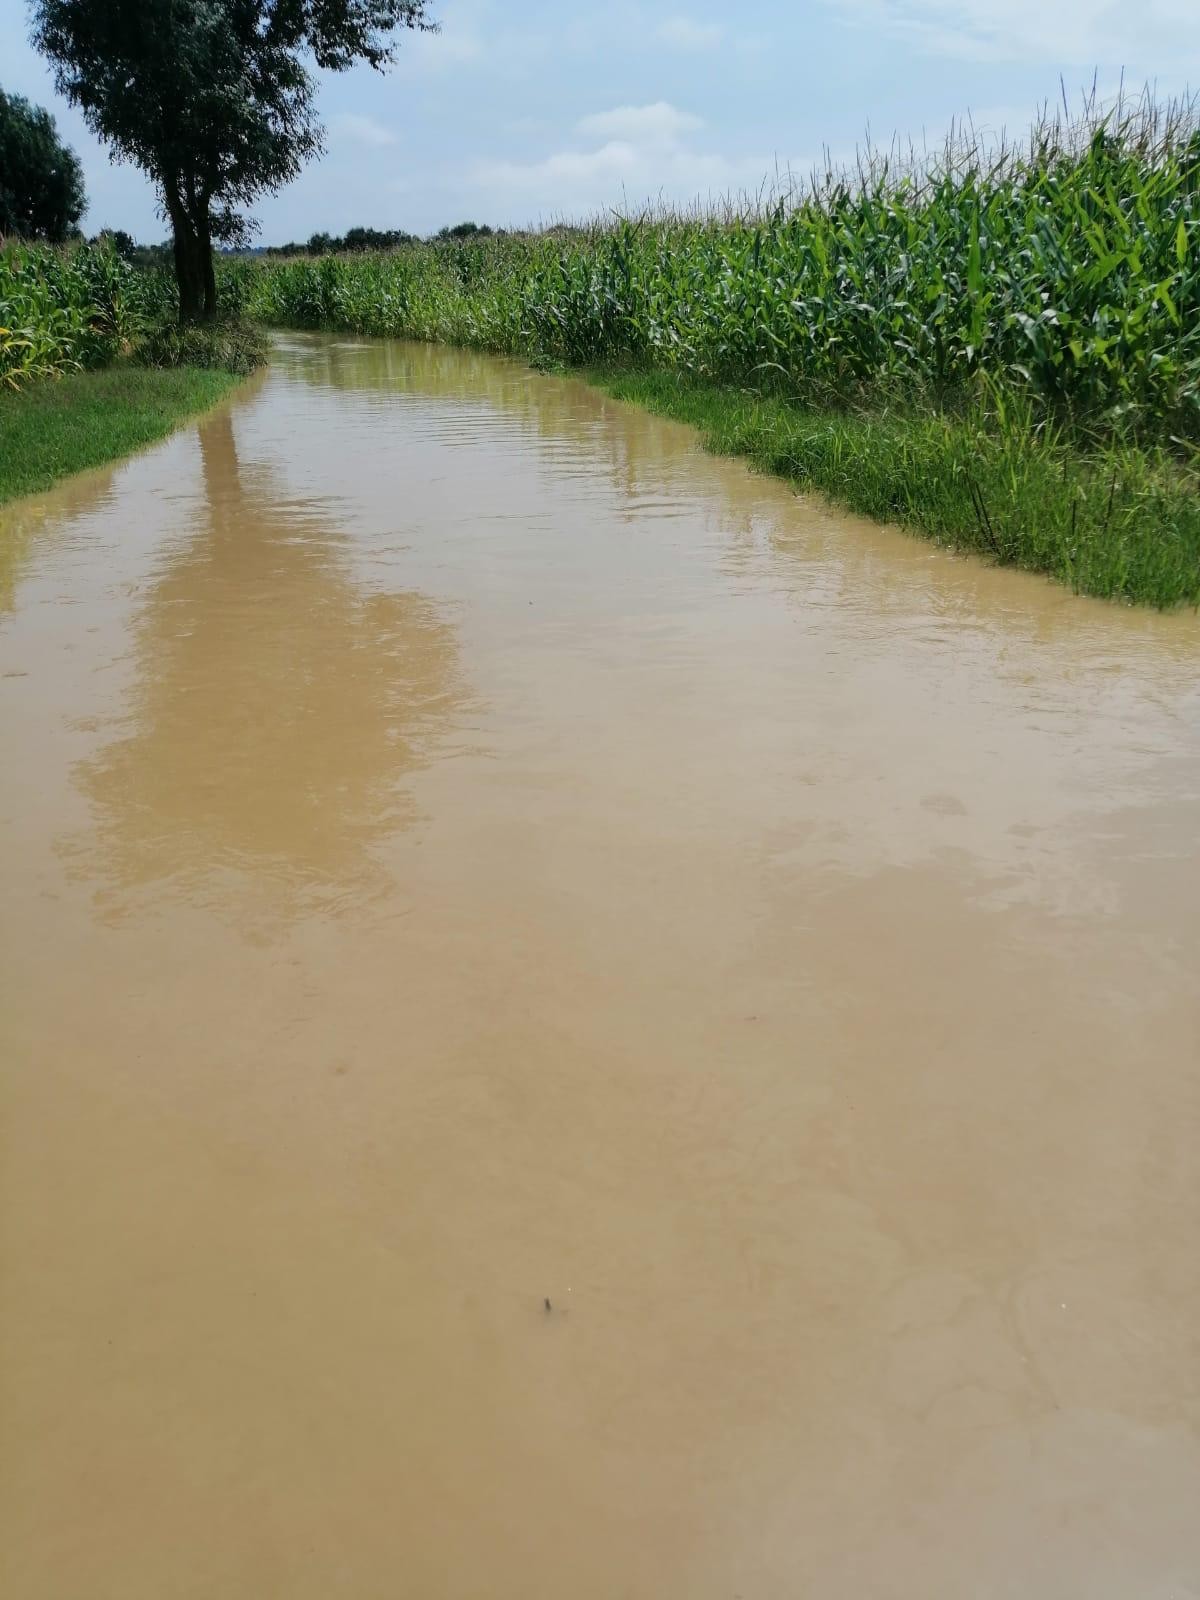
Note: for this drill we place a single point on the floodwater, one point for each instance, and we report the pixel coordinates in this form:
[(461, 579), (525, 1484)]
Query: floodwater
[(465, 849)]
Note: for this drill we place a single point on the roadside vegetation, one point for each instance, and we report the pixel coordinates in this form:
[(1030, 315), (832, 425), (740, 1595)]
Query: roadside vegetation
[(94, 363), (81, 307), (71, 309), (999, 346), (88, 418)]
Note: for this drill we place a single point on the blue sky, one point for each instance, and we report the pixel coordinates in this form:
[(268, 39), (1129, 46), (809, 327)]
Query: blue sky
[(529, 110)]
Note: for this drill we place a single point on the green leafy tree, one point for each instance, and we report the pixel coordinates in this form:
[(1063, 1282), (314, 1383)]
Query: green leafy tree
[(214, 99), (41, 185), (117, 240), (375, 239)]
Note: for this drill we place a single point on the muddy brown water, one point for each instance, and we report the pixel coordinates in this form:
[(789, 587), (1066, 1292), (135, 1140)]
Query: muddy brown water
[(464, 847)]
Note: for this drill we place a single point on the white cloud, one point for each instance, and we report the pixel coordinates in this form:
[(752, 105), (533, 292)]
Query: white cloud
[(659, 123), (613, 160), (1081, 33), (685, 33), (647, 156), (356, 129), (576, 185)]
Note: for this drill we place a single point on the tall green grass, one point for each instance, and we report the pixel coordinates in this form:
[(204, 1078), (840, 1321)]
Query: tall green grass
[(1021, 305)]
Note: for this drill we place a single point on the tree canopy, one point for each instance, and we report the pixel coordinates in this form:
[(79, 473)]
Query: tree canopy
[(214, 99), (41, 184), (354, 239)]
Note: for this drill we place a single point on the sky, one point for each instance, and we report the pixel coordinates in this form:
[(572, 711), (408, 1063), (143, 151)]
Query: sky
[(527, 111)]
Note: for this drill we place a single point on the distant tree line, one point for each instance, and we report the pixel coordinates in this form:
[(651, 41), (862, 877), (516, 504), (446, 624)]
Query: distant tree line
[(362, 239), (324, 244)]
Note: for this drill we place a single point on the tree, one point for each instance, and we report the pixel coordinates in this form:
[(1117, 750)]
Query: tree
[(41, 185), (117, 240), (374, 239), (214, 100)]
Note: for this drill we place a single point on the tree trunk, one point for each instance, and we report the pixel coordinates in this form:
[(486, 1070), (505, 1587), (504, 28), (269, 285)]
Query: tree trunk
[(188, 276), (194, 271), (208, 272)]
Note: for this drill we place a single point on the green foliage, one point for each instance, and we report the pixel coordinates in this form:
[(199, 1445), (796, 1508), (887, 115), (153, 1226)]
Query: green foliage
[(236, 347), (1066, 274), (120, 241), (353, 240), (63, 310), (88, 418), (41, 182), (213, 101)]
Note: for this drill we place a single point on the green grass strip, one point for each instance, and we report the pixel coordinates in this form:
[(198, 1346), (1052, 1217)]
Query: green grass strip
[(1123, 523), (59, 426)]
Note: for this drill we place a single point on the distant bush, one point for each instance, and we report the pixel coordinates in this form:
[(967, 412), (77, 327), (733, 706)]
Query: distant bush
[(356, 241), (117, 239)]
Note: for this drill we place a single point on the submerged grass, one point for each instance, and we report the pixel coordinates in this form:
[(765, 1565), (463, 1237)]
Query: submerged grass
[(999, 345), (1122, 524), (84, 419)]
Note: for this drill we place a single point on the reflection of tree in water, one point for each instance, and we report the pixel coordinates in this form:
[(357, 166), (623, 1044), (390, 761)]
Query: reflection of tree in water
[(277, 707)]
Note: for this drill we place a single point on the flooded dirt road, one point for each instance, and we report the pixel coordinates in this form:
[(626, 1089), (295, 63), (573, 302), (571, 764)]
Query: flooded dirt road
[(464, 848)]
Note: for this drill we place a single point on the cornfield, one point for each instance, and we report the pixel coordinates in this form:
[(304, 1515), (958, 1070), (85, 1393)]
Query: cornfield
[(1065, 271), (63, 310)]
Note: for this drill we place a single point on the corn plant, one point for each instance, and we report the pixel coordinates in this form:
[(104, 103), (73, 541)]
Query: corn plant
[(1065, 271), (66, 309)]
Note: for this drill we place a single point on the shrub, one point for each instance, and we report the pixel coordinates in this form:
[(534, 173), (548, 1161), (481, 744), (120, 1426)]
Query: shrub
[(227, 346)]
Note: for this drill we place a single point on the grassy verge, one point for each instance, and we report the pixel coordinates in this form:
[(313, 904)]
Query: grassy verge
[(1123, 523), (56, 427)]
